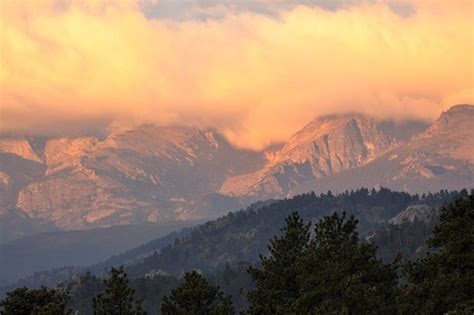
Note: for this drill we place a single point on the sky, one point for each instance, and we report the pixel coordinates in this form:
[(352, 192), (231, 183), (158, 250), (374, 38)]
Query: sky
[(256, 70)]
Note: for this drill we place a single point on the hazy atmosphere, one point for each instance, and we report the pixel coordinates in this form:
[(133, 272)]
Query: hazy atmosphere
[(255, 70), (252, 157)]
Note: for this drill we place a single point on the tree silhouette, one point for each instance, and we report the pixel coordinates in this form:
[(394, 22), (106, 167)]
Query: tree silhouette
[(196, 296), (342, 275), (277, 284), (118, 299)]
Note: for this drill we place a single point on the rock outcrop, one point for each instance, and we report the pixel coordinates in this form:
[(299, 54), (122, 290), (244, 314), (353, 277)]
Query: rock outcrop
[(148, 174), (323, 148), (152, 174), (442, 157)]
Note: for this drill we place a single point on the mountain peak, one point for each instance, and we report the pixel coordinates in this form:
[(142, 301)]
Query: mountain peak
[(457, 113), (324, 124), (458, 117), (324, 147), (353, 131), (461, 108)]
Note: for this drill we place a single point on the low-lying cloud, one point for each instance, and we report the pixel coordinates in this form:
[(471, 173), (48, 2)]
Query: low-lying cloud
[(67, 67)]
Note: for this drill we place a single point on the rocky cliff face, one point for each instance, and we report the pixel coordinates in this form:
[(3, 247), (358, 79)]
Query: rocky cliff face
[(325, 147), (442, 157), (414, 213), (451, 135), (335, 143), (22, 147), (152, 174), (147, 174)]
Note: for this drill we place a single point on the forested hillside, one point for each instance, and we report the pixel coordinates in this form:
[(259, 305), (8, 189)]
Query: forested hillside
[(245, 278), (243, 235)]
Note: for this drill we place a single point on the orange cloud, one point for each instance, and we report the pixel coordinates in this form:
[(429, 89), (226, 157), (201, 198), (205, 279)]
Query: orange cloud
[(254, 77)]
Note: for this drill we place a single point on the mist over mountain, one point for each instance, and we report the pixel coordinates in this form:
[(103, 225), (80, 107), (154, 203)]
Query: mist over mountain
[(350, 151), (159, 174), (236, 157), (439, 158), (324, 147), (48, 250), (148, 174)]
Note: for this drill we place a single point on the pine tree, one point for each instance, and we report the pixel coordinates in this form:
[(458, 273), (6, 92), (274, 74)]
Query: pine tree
[(342, 275), (443, 281), (43, 301), (196, 296), (119, 299), (277, 284)]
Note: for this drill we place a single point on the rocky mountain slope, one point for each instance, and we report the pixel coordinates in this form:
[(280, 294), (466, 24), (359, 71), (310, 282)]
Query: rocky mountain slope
[(325, 147), (158, 174), (148, 174), (442, 157), (15, 224)]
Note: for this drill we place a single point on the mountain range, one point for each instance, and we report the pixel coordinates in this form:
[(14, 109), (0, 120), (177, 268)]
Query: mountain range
[(149, 174), (159, 174)]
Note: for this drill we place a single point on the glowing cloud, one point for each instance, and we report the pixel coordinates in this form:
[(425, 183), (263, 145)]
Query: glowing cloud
[(67, 67)]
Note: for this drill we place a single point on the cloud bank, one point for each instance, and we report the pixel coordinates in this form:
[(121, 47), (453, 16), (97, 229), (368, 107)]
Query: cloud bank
[(68, 67)]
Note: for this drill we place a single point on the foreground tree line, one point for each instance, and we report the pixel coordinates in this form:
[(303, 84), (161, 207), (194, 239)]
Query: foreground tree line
[(323, 269)]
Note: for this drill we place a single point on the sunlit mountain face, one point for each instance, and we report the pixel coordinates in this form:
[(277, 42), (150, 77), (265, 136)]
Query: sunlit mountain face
[(148, 111), (158, 174), (169, 136)]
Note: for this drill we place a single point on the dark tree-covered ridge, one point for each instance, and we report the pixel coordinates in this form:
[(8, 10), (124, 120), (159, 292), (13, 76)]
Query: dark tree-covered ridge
[(244, 235)]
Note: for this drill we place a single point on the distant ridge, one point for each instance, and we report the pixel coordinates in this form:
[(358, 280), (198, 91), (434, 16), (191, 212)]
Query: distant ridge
[(159, 174), (442, 157), (325, 147)]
